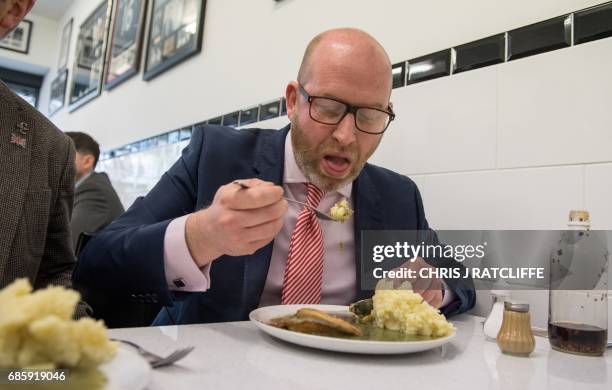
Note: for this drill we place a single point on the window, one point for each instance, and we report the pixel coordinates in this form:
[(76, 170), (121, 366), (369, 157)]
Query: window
[(26, 85)]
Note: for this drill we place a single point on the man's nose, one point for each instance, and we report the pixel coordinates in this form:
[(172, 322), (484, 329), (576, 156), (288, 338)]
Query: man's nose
[(345, 130)]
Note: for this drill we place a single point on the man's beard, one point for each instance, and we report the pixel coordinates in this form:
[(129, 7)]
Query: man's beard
[(308, 159)]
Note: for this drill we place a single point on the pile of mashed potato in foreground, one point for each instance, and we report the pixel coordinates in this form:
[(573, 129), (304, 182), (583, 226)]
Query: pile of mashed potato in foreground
[(36, 329), (406, 311)]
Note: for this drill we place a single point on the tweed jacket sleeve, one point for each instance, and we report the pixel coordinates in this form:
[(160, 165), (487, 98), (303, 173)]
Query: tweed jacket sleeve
[(58, 261)]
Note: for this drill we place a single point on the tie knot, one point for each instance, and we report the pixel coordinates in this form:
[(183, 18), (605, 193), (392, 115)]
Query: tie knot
[(315, 194)]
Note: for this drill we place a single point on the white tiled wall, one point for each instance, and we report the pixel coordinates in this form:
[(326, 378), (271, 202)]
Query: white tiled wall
[(532, 198), (598, 192), (443, 125), (556, 108)]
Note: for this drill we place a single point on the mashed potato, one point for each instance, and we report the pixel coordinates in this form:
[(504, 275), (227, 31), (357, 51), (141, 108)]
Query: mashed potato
[(341, 211), (37, 329), (406, 311)]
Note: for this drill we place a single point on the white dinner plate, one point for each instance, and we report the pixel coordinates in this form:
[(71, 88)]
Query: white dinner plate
[(261, 316), (127, 370)]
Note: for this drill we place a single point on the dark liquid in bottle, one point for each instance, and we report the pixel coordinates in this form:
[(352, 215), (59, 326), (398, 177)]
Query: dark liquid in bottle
[(577, 338)]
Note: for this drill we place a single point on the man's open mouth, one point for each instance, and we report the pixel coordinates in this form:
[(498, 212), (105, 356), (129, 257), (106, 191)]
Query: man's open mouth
[(335, 165)]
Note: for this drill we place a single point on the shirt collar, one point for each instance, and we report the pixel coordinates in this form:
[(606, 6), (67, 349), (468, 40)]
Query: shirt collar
[(81, 180), (293, 174)]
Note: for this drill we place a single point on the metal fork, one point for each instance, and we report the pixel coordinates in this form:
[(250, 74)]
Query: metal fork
[(157, 361), (320, 214)]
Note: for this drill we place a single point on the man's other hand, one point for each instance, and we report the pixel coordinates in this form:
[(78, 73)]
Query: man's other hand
[(430, 288)]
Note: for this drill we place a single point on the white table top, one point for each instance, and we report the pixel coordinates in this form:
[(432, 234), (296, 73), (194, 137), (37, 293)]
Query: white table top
[(237, 355)]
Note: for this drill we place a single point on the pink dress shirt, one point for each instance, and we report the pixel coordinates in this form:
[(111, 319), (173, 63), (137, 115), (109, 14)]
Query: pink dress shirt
[(339, 275)]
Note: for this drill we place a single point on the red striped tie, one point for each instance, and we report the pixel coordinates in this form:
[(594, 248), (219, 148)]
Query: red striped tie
[(304, 269)]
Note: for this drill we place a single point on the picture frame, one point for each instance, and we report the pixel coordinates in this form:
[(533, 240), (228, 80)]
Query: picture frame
[(175, 34), (58, 92), (62, 62), (125, 42), (18, 40), (90, 57)]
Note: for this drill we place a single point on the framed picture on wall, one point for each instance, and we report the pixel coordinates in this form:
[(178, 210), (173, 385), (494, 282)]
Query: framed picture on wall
[(58, 92), (62, 62), (19, 39), (175, 34), (88, 68), (127, 27)]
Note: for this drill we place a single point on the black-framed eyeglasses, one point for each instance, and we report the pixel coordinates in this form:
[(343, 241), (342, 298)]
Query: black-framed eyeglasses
[(330, 111)]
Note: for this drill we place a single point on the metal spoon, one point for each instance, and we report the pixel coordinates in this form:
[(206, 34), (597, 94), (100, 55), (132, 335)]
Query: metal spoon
[(320, 214)]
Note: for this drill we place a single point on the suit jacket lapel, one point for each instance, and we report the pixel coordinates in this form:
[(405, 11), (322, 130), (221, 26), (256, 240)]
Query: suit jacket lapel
[(368, 215), (268, 165), (15, 152), (269, 161)]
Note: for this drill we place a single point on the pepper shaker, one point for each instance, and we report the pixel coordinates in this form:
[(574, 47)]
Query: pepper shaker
[(515, 336)]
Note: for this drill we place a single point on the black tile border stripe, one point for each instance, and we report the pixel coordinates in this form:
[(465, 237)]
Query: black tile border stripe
[(593, 23), (398, 72), (579, 33), (531, 40), (232, 119), (248, 116), (477, 54), (431, 66)]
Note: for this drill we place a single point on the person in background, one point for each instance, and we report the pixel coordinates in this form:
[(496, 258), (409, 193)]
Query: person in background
[(36, 186), (212, 250), (96, 204)]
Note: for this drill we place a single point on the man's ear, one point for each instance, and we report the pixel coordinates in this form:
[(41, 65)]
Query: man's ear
[(16, 12), (88, 162), (291, 98)]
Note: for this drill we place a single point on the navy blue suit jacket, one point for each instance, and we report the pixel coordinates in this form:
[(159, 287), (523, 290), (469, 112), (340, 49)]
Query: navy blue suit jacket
[(128, 255)]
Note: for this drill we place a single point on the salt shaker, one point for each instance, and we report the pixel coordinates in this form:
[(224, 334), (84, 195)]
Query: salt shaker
[(515, 336), (493, 323)]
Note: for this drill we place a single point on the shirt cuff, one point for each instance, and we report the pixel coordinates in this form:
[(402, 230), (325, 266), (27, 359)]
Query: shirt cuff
[(449, 295), (182, 272)]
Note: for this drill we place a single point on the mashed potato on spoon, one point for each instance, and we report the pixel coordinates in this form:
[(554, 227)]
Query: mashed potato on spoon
[(341, 211)]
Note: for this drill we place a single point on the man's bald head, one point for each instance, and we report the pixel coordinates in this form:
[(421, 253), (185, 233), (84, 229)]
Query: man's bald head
[(352, 42)]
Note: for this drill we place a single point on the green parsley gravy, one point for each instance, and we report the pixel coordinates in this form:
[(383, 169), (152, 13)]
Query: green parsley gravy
[(372, 332)]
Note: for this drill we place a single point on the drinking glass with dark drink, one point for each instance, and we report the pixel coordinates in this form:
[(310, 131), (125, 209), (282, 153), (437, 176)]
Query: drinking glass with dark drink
[(578, 298)]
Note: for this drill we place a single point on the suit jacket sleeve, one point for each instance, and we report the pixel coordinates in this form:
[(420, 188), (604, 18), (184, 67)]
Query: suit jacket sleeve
[(465, 294), (58, 260), (127, 255)]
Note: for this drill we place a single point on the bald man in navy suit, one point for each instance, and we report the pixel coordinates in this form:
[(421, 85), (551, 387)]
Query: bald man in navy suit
[(211, 250)]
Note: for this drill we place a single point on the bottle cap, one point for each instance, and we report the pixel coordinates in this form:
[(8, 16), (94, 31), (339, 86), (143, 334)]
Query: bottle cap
[(516, 306), (579, 216), (500, 293)]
